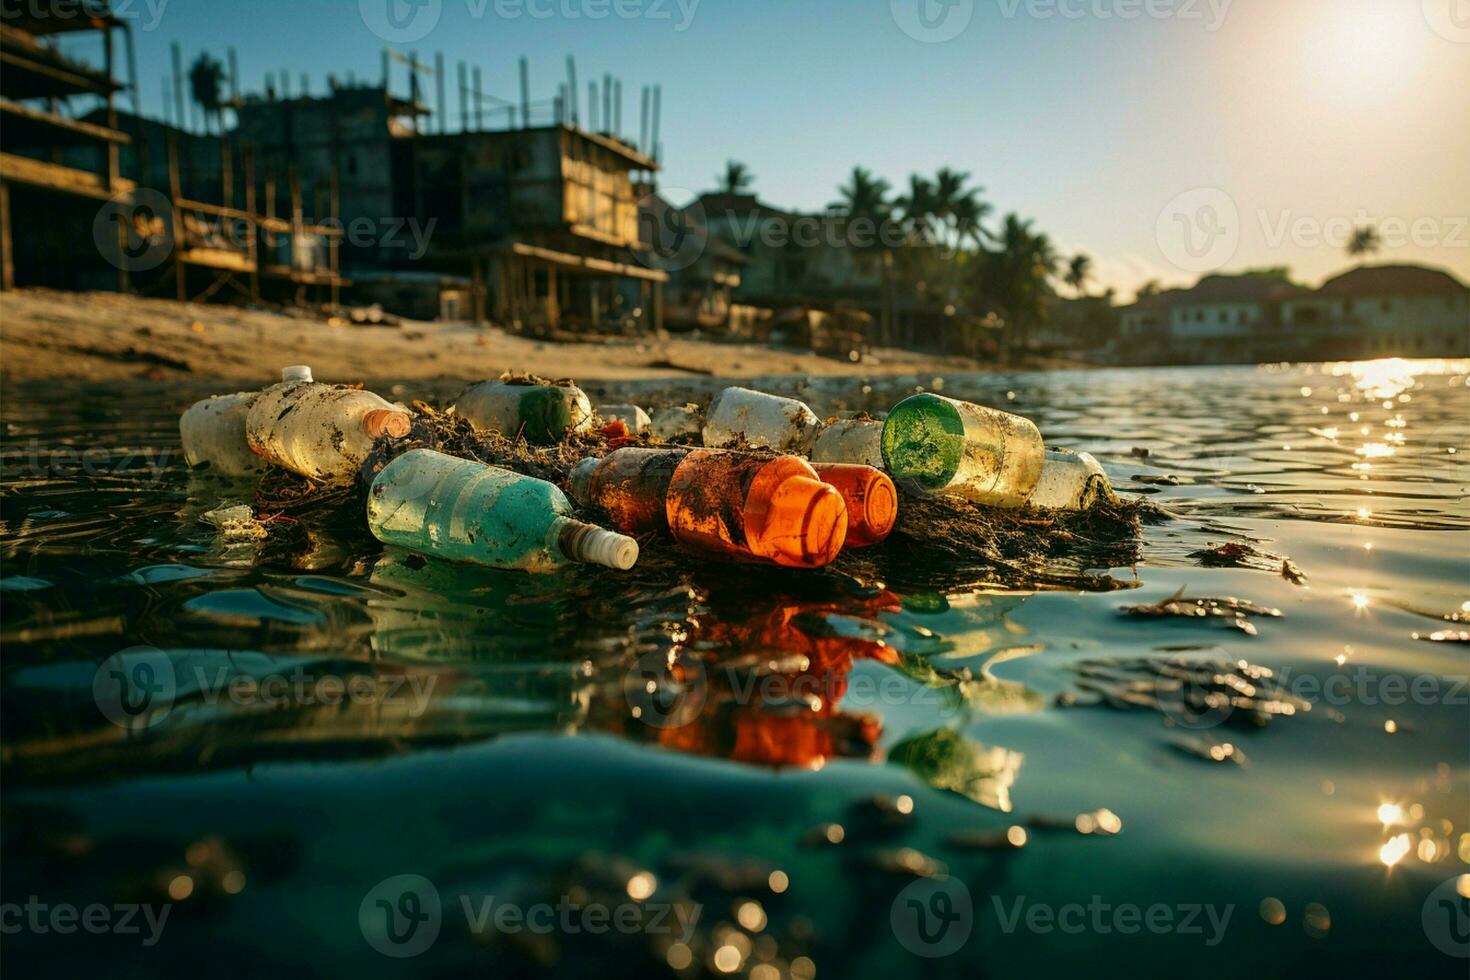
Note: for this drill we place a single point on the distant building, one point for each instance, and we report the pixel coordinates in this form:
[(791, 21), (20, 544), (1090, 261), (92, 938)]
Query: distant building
[(57, 171), (1372, 311), (794, 258), (1221, 319), (704, 270)]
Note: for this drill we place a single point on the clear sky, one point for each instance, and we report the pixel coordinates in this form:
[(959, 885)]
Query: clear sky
[(1162, 137)]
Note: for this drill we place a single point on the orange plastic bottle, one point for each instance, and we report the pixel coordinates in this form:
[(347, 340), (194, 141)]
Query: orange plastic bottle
[(749, 507), (872, 501), (745, 507)]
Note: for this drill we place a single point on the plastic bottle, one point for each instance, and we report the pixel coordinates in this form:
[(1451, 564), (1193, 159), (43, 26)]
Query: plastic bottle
[(635, 418), (849, 441), (630, 485), (935, 444), (318, 430), (872, 501), (740, 416), (677, 422), (466, 511), (1070, 481), (213, 431), (542, 413), (735, 505)]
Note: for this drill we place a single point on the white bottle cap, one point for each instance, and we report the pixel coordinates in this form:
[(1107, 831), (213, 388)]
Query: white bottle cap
[(296, 372), (598, 546)]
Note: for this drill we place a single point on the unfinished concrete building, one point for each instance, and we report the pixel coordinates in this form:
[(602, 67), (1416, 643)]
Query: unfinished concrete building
[(57, 170)]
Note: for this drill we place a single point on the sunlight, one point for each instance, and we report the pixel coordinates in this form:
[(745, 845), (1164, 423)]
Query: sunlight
[(1364, 47)]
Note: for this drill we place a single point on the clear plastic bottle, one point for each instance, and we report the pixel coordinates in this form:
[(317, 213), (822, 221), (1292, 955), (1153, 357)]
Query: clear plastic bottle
[(630, 485), (742, 417), (1070, 481), (677, 422), (872, 501), (635, 418), (213, 431), (466, 511), (734, 505), (849, 441), (934, 444), (544, 414), (318, 430)]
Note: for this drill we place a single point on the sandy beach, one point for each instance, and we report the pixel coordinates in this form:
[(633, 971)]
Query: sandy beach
[(98, 335)]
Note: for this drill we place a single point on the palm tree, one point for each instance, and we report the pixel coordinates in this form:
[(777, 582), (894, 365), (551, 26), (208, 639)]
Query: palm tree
[(958, 207), (864, 196), (917, 206), (1079, 270), (1365, 241), (1015, 276), (736, 179), (206, 79)]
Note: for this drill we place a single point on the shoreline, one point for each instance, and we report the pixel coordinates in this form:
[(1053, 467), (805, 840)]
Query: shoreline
[(53, 335)]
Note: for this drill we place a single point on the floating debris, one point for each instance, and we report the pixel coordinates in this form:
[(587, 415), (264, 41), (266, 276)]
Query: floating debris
[(1209, 751), (1235, 554), (236, 523), (906, 862), (1189, 693), (1235, 612), (1443, 636)]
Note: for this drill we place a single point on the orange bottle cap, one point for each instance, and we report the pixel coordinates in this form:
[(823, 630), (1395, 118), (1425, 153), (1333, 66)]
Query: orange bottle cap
[(882, 504), (806, 523), (386, 420)]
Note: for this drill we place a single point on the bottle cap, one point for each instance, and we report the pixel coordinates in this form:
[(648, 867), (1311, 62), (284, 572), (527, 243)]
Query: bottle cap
[(296, 372), (386, 421), (881, 504), (806, 523), (598, 546)]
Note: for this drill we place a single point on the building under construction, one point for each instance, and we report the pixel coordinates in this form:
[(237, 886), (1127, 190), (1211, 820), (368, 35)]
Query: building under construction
[(522, 213)]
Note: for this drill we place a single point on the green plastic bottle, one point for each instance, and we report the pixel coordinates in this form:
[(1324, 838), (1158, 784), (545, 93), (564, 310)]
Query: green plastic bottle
[(934, 444), (466, 511)]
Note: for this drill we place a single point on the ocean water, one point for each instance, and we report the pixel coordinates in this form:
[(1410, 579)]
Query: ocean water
[(309, 755)]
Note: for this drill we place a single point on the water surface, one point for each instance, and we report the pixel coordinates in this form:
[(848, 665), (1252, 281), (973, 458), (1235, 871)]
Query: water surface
[(263, 735)]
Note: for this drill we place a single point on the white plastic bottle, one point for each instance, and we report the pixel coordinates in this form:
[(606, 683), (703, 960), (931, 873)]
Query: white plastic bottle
[(318, 430), (1070, 481), (740, 416), (677, 422), (635, 418), (849, 441), (540, 413), (466, 511), (213, 431)]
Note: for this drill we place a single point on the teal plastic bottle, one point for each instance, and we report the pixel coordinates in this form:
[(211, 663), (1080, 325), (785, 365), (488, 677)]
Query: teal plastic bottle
[(466, 511)]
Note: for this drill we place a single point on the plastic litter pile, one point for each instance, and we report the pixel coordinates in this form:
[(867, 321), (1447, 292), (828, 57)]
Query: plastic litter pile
[(753, 478)]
